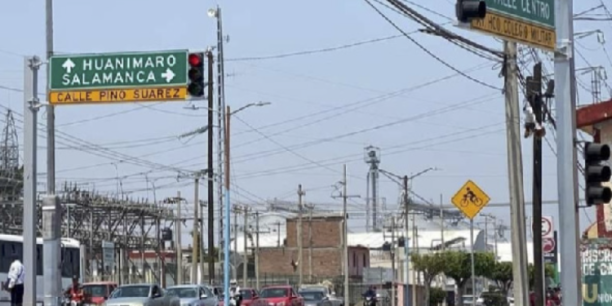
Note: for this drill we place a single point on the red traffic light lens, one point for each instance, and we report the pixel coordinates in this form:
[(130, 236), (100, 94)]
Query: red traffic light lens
[(195, 59)]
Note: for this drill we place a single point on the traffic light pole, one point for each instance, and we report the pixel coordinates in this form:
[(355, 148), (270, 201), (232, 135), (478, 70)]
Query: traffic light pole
[(515, 171), (565, 101), (534, 87), (210, 172)]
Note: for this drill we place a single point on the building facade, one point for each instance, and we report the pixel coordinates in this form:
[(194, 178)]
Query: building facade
[(321, 250)]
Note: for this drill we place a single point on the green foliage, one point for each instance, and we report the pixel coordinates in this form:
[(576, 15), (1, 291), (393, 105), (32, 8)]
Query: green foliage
[(436, 296), (458, 266), (502, 275), (429, 264), (494, 299), (549, 271)]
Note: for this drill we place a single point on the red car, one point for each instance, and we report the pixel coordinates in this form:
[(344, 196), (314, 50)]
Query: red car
[(278, 296), (97, 292), (248, 296)]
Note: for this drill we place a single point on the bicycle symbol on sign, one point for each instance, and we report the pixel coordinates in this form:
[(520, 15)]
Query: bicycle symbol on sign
[(470, 197)]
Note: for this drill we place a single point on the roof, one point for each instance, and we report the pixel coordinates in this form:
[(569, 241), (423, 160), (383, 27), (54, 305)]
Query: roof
[(137, 285), (277, 286), (66, 242), (99, 283), (375, 240)]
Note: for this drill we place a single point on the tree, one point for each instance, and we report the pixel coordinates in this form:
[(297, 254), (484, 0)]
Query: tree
[(430, 266), (502, 275), (549, 271), (458, 266), (436, 296)]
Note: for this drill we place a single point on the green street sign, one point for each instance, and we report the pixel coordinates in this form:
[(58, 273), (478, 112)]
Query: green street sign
[(541, 12), (118, 70), (596, 255)]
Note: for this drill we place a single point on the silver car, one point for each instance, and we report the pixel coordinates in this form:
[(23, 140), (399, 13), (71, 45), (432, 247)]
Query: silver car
[(141, 295), (193, 295)]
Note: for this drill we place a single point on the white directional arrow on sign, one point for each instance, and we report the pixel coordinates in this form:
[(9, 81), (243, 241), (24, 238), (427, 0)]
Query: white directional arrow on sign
[(168, 75), (68, 65)]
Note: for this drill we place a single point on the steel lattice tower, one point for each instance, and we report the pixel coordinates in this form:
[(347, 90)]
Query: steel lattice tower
[(10, 173)]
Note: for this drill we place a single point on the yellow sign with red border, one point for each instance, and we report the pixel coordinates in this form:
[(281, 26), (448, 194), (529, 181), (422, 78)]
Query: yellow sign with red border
[(515, 30), (99, 96)]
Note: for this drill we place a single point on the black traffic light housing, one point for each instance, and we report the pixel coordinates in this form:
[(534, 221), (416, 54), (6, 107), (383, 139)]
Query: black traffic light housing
[(596, 172), (195, 75), (466, 10)]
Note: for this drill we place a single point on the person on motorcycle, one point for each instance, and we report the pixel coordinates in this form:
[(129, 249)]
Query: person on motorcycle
[(235, 292), (75, 292), (370, 293)]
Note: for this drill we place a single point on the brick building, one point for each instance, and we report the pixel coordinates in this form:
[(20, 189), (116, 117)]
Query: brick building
[(325, 245)]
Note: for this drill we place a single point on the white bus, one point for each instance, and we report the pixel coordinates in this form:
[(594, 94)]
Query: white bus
[(71, 261)]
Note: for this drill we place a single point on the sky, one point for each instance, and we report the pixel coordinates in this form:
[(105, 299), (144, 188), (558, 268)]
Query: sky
[(326, 106)]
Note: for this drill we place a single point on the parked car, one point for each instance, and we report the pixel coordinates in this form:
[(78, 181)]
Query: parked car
[(193, 295), (96, 293), (278, 296), (331, 295), (248, 296), (141, 295), (314, 297)]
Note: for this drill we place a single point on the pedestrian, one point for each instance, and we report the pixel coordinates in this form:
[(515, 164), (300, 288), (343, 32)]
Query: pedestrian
[(14, 283)]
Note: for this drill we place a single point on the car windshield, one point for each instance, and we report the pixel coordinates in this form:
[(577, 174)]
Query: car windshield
[(184, 292), (273, 293), (246, 294), (130, 291), (95, 290), (312, 295)]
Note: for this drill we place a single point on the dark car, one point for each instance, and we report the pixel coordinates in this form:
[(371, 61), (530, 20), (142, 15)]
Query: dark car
[(313, 297)]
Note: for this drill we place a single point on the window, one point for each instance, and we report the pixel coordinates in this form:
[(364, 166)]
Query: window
[(354, 259), (365, 264)]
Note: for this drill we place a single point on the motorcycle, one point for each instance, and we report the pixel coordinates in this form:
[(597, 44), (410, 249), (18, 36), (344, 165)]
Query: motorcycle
[(369, 301)]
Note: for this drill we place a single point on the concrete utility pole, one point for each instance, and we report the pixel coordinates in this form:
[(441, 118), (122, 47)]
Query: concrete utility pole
[(52, 214), (310, 208), (534, 97), (565, 101), (179, 243), (195, 256), (257, 250), (245, 254), (226, 211), (30, 218), (236, 210), (345, 264), (393, 248), (415, 239), (210, 172), (515, 171), (300, 237), (407, 290)]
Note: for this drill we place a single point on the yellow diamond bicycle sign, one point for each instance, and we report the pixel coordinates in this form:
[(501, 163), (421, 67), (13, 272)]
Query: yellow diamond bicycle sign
[(470, 199)]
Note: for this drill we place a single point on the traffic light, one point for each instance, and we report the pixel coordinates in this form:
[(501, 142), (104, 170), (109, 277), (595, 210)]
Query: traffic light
[(196, 75), (466, 10), (596, 172)]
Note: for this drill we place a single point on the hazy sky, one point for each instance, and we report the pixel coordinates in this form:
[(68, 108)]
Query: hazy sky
[(326, 106)]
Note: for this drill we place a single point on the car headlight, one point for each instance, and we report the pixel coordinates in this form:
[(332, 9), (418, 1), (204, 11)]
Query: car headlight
[(280, 304)]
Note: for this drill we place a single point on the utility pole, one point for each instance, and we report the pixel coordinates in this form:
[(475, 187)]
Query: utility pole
[(565, 101), (30, 216), (52, 287), (515, 170), (195, 256), (310, 208), (226, 210), (407, 290), (210, 172), (534, 97), (236, 210), (257, 250), (300, 239), (415, 238), (179, 244), (393, 248), (442, 223), (245, 254)]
